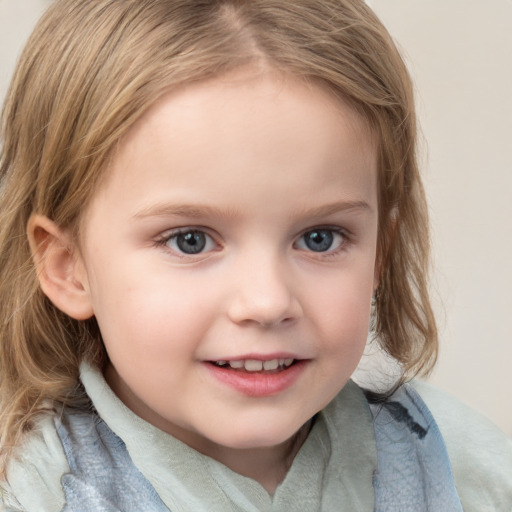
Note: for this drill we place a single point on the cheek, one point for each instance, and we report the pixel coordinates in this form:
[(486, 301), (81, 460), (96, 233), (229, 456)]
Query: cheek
[(152, 318), (342, 321), (343, 303)]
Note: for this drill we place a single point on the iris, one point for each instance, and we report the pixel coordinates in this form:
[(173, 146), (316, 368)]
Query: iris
[(191, 242), (319, 240)]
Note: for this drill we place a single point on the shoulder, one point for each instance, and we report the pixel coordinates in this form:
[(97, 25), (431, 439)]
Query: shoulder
[(480, 454), (35, 471)]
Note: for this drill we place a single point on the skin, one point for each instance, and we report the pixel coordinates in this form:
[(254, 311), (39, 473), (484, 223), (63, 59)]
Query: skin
[(254, 160)]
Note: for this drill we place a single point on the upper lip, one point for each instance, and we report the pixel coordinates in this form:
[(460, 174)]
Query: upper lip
[(259, 357)]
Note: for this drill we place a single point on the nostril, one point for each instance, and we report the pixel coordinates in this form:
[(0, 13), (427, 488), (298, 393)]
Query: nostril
[(270, 324)]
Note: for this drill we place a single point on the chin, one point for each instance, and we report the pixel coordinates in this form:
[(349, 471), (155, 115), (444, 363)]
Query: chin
[(264, 437)]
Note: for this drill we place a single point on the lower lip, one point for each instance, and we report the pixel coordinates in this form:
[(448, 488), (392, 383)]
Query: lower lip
[(258, 384)]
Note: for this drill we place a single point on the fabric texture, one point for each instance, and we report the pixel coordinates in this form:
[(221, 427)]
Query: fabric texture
[(414, 472), (102, 476), (480, 453), (334, 470)]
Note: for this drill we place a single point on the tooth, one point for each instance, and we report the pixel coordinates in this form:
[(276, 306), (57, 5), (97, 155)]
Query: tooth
[(273, 364), (288, 362), (221, 363), (251, 365), (236, 364)]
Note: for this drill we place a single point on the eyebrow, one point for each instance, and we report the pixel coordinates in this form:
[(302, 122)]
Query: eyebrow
[(342, 206), (204, 211), (181, 210)]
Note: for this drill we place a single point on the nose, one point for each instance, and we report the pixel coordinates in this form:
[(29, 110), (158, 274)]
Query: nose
[(263, 294)]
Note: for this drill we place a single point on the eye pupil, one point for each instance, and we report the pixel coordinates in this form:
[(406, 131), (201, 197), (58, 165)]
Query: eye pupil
[(192, 242), (319, 240)]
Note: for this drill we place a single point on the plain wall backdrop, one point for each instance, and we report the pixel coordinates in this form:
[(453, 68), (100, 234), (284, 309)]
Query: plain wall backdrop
[(460, 55)]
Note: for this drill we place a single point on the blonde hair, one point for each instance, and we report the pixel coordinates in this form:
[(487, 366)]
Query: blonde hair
[(91, 69)]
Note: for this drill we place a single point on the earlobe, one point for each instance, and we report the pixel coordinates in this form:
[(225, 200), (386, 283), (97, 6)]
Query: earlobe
[(377, 271), (376, 280), (60, 270), (382, 253)]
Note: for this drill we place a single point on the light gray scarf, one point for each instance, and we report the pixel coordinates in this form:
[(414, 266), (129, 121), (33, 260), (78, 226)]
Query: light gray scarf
[(414, 472)]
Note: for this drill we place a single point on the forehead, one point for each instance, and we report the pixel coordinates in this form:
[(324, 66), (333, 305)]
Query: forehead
[(243, 130)]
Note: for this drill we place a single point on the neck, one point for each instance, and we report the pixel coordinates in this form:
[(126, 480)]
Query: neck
[(268, 466)]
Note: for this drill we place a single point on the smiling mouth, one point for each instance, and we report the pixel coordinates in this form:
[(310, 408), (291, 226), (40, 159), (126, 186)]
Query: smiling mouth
[(255, 366)]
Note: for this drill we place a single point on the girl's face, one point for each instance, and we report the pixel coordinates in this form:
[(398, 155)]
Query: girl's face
[(229, 258)]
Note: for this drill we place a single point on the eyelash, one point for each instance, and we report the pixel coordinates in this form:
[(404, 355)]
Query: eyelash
[(163, 241)]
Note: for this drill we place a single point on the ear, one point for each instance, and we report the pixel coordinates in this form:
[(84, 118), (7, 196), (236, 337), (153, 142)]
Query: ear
[(60, 269), (380, 258), (377, 272)]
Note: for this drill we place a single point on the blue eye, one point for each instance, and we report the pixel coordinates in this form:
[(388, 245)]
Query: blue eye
[(321, 240), (190, 242)]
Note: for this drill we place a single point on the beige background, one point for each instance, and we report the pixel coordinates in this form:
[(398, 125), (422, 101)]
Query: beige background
[(460, 54)]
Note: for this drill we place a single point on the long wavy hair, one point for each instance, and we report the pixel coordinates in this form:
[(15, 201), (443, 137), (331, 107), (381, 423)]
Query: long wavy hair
[(92, 68)]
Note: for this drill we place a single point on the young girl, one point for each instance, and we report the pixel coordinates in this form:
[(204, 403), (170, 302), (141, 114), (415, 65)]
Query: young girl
[(204, 206)]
